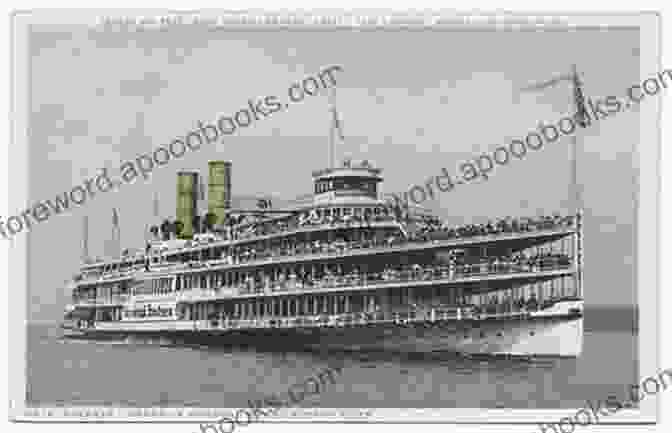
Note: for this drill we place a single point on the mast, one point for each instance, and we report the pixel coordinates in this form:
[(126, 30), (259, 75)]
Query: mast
[(116, 234), (583, 120), (332, 103), (335, 125), (155, 215), (156, 207), (85, 239), (581, 117)]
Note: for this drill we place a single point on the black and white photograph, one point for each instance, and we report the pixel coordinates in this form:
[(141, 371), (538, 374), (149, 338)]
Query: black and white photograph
[(241, 217)]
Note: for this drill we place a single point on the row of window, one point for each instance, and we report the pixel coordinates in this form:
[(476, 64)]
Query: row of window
[(362, 184), (155, 286), (348, 211), (148, 312)]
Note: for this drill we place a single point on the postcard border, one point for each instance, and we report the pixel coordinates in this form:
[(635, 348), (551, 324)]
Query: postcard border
[(647, 214)]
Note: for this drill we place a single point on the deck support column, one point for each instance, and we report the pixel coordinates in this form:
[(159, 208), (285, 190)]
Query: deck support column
[(384, 300)]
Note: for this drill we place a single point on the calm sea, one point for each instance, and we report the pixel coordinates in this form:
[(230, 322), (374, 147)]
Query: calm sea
[(69, 373)]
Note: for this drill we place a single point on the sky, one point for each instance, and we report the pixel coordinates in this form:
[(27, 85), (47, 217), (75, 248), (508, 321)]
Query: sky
[(412, 102)]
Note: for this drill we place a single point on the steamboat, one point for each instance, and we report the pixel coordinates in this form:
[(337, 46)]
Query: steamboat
[(344, 270)]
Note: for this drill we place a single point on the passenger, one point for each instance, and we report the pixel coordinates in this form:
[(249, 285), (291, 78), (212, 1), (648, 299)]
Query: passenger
[(532, 303)]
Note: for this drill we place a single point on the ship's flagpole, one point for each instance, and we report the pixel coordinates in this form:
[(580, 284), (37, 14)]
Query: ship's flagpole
[(583, 120), (581, 117)]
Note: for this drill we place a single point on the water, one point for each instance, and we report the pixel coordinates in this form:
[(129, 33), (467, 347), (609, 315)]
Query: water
[(71, 373)]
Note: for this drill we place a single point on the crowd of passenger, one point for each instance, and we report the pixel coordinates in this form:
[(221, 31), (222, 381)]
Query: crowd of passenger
[(431, 228), (412, 272), (247, 230), (493, 306), (249, 253), (518, 262), (522, 260), (426, 228)]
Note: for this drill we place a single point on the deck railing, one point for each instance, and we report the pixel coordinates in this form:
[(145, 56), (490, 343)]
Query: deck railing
[(441, 273), (331, 250), (366, 280), (108, 300), (348, 319), (424, 314)]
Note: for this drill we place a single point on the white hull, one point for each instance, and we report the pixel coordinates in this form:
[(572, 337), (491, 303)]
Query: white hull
[(528, 337), (547, 335)]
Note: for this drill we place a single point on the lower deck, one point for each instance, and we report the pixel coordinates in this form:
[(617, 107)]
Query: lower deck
[(557, 331)]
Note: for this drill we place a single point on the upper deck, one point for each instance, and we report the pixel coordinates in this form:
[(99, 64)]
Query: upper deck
[(332, 251), (345, 219)]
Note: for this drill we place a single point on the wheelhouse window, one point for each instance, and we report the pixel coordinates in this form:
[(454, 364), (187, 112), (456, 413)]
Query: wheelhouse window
[(365, 185)]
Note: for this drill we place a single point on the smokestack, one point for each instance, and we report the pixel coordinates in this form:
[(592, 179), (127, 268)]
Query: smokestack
[(187, 199), (219, 189)]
